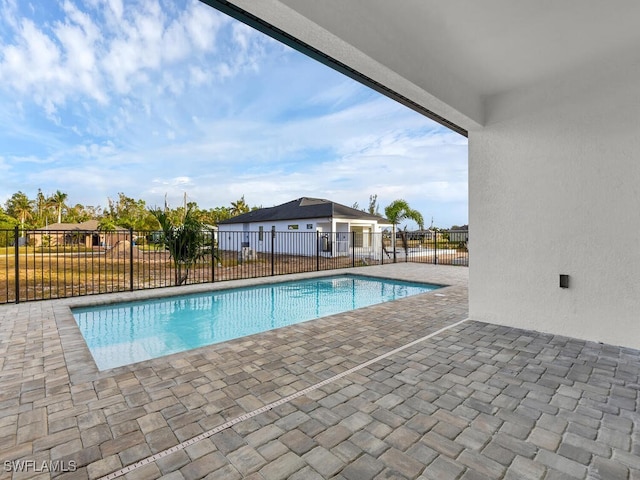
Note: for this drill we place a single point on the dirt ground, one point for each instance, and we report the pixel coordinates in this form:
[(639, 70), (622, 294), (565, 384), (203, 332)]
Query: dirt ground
[(47, 276)]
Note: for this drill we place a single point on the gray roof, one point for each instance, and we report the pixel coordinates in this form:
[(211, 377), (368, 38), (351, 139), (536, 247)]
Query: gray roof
[(302, 208)]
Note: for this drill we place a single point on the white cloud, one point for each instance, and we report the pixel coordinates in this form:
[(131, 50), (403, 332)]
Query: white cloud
[(335, 95), (116, 8), (172, 83), (197, 76), (202, 24), (176, 45), (73, 57), (34, 57), (161, 99)]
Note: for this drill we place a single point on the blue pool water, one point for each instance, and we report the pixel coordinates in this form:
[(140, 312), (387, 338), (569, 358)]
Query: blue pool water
[(124, 333)]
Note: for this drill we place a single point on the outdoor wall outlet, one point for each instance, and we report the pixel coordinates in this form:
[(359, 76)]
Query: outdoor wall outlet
[(564, 281)]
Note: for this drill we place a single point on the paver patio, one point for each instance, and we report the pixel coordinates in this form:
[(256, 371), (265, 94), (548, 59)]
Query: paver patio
[(475, 401)]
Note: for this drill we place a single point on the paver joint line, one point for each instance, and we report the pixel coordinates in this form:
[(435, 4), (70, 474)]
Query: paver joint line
[(246, 416)]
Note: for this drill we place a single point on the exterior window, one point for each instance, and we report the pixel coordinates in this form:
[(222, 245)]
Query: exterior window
[(293, 227), (260, 233), (309, 226)]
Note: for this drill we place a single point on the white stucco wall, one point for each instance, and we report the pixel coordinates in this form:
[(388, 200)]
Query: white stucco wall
[(300, 241), (554, 181)]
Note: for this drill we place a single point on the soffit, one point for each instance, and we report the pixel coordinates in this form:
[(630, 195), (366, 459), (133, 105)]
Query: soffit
[(493, 45)]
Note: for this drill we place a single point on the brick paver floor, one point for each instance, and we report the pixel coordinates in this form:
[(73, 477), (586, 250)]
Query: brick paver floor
[(475, 401)]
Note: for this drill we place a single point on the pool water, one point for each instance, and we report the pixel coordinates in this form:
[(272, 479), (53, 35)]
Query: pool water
[(124, 333)]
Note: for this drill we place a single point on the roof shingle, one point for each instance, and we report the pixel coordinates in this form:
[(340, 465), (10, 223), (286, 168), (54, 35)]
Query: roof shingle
[(302, 208)]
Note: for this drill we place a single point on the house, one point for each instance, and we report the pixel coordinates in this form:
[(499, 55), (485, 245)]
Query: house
[(459, 234), (421, 235), (305, 226), (85, 233)]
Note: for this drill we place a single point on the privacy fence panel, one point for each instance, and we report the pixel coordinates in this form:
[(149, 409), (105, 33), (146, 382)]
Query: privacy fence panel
[(49, 264)]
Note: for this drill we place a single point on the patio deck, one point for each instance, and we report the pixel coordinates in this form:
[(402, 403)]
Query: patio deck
[(406, 389)]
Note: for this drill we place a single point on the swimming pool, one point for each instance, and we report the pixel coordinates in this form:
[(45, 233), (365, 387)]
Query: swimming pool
[(124, 333)]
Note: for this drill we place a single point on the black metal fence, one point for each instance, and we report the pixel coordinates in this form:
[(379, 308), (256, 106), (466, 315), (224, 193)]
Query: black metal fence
[(48, 264)]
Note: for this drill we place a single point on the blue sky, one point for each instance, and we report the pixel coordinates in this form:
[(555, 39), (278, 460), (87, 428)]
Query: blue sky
[(154, 98)]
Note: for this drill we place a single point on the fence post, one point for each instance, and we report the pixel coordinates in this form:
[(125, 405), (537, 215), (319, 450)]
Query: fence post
[(16, 249), (394, 243), (435, 247), (353, 248), (131, 259), (317, 251), (273, 260), (406, 249), (381, 248), (213, 256), (405, 244)]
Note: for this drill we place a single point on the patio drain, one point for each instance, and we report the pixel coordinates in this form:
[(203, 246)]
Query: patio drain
[(266, 408)]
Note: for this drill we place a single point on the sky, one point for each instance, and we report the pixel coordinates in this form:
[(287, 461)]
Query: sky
[(156, 99)]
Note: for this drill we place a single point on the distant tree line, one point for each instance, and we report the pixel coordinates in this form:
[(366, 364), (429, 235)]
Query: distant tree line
[(128, 212), (123, 211)]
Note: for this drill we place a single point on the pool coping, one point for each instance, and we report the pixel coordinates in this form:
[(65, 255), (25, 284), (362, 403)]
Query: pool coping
[(80, 363)]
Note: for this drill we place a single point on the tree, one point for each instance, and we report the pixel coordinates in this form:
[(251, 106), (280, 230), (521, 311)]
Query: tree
[(6, 223), (398, 211), (239, 207), (213, 216), (41, 209), (185, 241), (20, 207), (128, 212), (105, 224), (79, 213), (374, 208), (57, 201)]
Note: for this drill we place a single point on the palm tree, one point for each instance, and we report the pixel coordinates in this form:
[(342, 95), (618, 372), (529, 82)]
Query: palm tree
[(20, 208), (239, 207), (396, 212), (41, 206), (186, 241), (57, 201), (23, 208)]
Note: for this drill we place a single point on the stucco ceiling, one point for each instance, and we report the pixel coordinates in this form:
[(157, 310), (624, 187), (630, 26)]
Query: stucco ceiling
[(495, 45), (457, 52)]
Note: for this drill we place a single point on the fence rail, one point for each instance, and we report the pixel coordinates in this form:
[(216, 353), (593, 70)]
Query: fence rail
[(41, 265)]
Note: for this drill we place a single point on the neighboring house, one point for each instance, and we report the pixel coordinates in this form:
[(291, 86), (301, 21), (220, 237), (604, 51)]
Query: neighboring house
[(420, 235), (305, 226), (85, 233), (210, 231), (459, 234), (452, 235)]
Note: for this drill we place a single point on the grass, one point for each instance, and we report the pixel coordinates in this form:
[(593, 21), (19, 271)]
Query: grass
[(151, 247), (28, 250), (45, 274)]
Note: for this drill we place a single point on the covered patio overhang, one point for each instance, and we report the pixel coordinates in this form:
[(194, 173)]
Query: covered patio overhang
[(547, 94)]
